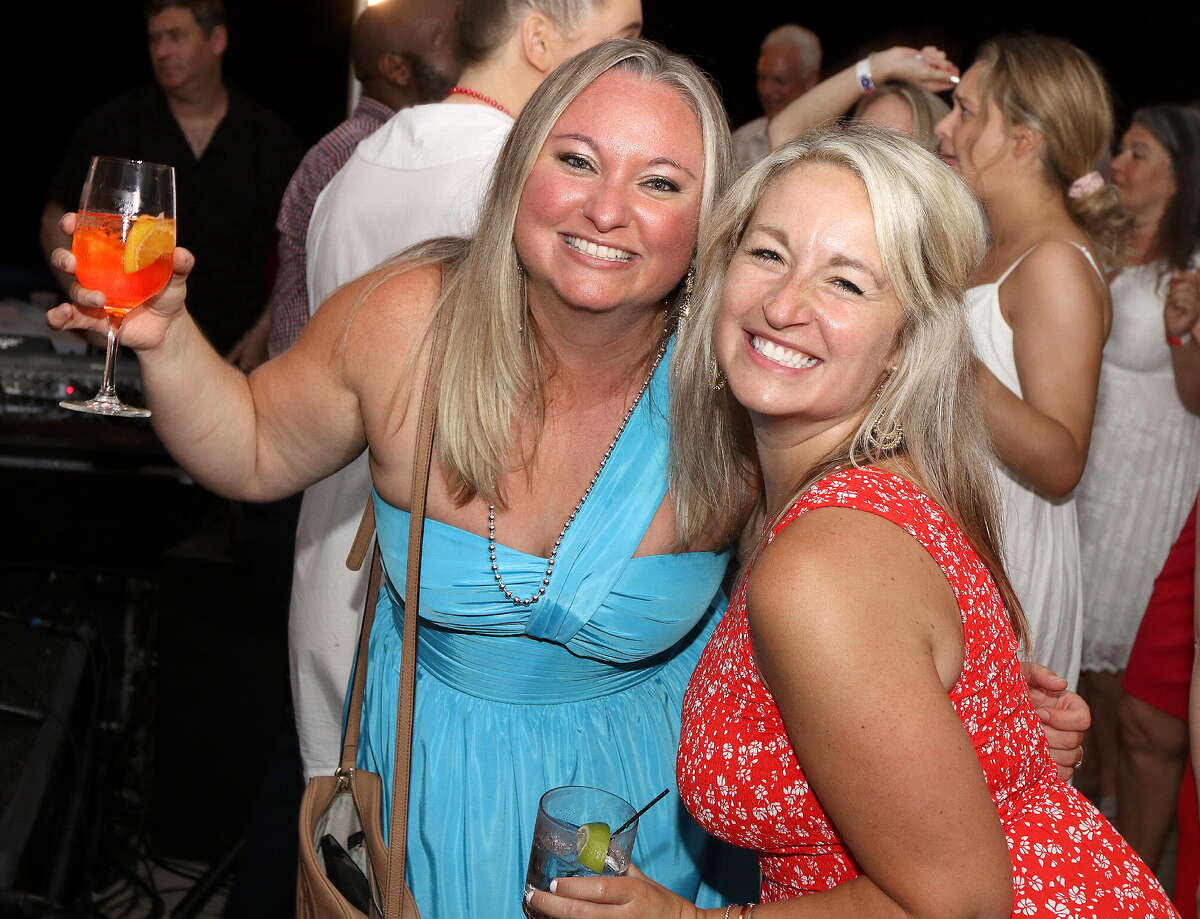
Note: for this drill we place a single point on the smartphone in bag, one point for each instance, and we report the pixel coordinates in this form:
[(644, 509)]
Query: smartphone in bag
[(345, 875)]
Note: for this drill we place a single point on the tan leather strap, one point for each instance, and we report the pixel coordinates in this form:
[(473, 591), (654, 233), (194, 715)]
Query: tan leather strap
[(354, 719), (394, 900), (362, 538)]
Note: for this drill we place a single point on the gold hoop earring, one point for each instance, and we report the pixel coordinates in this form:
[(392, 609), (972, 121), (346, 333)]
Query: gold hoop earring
[(689, 281), (888, 439), (716, 376), (524, 300), (885, 441)]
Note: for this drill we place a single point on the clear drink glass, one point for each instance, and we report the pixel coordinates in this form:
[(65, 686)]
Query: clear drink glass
[(567, 841), (124, 246)]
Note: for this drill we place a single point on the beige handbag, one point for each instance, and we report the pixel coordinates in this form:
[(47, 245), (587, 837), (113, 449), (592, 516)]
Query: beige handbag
[(340, 814)]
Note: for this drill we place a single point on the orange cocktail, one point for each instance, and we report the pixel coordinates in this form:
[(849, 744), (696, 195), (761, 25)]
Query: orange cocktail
[(128, 259)]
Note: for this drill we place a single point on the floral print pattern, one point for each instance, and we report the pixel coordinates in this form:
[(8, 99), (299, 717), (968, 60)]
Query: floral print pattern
[(740, 779)]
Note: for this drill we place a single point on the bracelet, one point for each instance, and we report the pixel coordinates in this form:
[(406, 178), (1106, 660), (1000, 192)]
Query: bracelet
[(863, 71), (747, 910), (1178, 341), (728, 910)]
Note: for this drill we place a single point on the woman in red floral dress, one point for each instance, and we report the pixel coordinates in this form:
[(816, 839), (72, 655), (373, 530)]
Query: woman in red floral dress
[(859, 718)]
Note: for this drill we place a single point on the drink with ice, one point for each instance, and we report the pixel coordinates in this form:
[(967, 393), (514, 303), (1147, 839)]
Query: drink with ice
[(126, 257), (572, 837)]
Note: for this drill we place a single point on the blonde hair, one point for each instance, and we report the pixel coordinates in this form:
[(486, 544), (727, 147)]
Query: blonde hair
[(927, 110), (931, 234), (494, 368), (1056, 89)]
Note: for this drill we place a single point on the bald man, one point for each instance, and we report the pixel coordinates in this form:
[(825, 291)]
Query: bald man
[(789, 65), (403, 52)]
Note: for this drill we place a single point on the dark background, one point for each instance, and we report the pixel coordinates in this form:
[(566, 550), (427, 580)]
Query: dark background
[(290, 55)]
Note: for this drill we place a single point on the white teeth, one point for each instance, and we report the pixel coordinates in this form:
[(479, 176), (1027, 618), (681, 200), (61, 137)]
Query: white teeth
[(607, 253), (797, 360)]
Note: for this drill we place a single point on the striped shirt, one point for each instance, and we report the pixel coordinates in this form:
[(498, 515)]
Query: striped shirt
[(288, 304)]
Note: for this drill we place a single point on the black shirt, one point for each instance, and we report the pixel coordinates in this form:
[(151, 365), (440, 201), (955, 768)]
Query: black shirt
[(226, 201)]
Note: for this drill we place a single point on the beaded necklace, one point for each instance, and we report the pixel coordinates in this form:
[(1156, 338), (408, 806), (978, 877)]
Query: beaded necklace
[(529, 601), (475, 94)]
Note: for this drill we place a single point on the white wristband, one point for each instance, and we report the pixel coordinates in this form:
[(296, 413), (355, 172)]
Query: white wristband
[(862, 70)]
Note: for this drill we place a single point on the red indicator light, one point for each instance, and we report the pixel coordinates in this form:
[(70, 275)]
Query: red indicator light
[(70, 390)]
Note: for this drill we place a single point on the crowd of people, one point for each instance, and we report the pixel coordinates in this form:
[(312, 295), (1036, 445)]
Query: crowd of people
[(910, 366)]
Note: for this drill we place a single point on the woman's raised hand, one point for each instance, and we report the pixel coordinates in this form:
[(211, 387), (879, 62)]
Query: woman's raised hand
[(1181, 311), (928, 68), (145, 327)]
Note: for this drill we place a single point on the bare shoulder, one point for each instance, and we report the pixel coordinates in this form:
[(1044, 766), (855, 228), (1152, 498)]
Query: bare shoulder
[(381, 315), (393, 300), (1056, 277), (837, 566)]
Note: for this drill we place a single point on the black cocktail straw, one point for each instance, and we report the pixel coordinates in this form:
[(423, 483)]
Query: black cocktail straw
[(658, 797)]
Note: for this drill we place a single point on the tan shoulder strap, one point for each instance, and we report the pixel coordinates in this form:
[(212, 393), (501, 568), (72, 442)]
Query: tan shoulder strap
[(395, 902)]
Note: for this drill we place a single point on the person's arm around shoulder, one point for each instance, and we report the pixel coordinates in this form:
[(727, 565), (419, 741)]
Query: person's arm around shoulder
[(1059, 310), (294, 420), (859, 637), (832, 98)]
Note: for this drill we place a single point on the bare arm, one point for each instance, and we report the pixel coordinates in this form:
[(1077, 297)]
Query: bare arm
[(1059, 313), (290, 423), (833, 97)]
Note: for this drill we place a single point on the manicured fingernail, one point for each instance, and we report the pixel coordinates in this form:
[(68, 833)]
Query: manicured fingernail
[(955, 80), (553, 886)]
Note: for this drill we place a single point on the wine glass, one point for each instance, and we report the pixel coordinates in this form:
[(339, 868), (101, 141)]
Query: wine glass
[(124, 246)]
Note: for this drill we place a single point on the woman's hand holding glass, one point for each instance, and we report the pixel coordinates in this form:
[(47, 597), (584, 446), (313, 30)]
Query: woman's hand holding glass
[(634, 896), (144, 328)]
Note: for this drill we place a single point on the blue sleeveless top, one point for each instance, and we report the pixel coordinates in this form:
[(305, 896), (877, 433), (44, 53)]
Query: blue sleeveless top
[(584, 687)]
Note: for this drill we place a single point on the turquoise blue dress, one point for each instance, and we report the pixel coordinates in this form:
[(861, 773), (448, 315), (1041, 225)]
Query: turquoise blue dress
[(583, 688)]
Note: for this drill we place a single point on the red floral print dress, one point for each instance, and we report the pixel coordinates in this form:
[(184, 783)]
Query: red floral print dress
[(740, 779)]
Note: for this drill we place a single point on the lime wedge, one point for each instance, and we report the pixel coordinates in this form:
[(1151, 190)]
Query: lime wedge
[(592, 840)]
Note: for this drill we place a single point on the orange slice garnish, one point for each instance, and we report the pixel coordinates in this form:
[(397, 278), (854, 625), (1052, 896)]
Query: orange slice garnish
[(149, 239)]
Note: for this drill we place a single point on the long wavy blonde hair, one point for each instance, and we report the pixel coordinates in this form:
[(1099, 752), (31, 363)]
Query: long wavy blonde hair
[(494, 366), (1055, 88), (931, 235)]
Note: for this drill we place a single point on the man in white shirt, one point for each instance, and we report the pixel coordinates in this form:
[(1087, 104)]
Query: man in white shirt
[(422, 175), (789, 65)]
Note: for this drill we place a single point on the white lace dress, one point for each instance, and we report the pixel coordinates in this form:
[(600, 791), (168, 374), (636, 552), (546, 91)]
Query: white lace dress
[(1041, 536), (1143, 471)]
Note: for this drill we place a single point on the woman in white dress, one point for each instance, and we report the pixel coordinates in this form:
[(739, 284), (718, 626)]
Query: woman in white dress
[(1031, 120), (1144, 468)]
